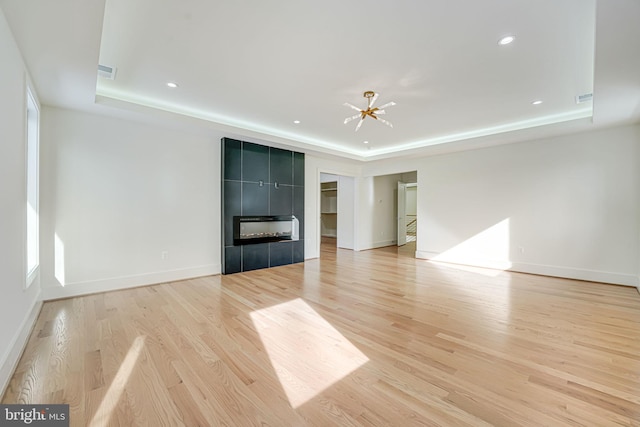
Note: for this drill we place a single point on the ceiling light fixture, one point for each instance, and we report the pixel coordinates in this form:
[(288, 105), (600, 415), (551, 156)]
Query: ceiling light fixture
[(537, 102), (506, 40), (371, 111), (172, 85), (365, 142), (296, 121)]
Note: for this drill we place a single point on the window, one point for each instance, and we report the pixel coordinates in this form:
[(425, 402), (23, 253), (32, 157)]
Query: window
[(33, 130)]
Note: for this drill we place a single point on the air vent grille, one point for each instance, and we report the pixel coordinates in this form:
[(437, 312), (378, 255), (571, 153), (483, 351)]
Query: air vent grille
[(584, 98), (106, 72)]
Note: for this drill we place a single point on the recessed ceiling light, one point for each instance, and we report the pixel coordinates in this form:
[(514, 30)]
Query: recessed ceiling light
[(365, 142), (506, 40), (537, 102), (296, 121), (172, 85)]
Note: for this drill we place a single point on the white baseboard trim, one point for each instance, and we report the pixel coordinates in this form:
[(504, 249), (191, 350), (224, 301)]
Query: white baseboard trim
[(576, 273), (549, 270), (380, 244), (15, 348), (117, 283), (475, 262)]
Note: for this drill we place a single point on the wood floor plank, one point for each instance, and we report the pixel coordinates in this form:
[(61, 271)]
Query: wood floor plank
[(354, 338), (190, 414)]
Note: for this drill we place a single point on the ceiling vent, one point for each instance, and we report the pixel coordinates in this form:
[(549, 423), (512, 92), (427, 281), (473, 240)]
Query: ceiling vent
[(107, 72), (580, 99)]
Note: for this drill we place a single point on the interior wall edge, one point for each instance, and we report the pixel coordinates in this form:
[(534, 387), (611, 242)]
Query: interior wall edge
[(17, 345), (119, 283)]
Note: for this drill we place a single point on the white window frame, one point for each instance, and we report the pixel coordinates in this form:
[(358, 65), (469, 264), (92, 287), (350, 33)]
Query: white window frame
[(32, 187)]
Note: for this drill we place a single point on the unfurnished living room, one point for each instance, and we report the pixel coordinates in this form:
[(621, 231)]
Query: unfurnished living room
[(320, 213)]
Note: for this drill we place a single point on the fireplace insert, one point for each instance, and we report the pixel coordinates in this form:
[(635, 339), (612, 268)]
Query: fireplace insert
[(261, 229)]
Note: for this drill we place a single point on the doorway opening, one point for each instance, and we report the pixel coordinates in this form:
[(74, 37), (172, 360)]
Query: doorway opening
[(337, 207), (328, 210), (391, 202), (407, 212)]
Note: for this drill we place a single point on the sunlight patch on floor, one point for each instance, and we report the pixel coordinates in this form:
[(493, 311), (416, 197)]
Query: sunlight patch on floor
[(306, 352), (113, 395)]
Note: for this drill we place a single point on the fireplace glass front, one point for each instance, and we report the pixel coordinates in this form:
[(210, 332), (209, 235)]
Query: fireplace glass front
[(260, 229)]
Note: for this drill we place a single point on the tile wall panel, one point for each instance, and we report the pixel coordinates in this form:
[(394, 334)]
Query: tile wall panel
[(249, 176)]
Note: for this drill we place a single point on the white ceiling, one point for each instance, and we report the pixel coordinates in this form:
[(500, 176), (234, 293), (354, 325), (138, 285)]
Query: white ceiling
[(253, 67)]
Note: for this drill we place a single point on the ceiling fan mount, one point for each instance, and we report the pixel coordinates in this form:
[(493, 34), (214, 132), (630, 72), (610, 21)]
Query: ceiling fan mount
[(370, 111)]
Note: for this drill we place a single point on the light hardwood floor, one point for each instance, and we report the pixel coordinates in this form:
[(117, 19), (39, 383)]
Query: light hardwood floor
[(354, 338)]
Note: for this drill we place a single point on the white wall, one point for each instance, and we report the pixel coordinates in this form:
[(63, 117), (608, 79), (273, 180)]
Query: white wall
[(410, 177), (126, 203), (346, 212), (566, 206), (385, 211), (327, 177), (18, 306), (377, 219), (119, 193)]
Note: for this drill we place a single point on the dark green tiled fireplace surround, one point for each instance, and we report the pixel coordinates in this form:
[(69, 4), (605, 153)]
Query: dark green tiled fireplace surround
[(260, 180)]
